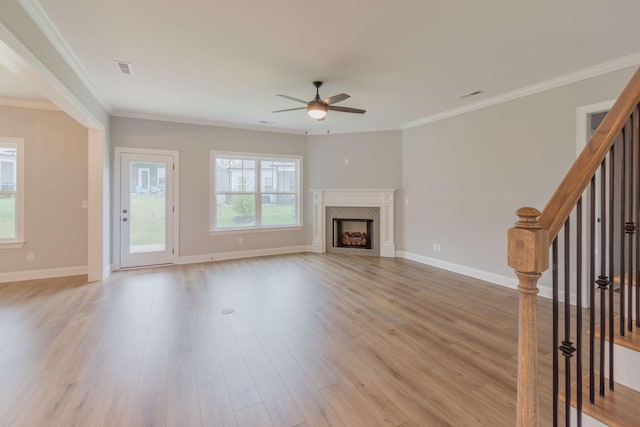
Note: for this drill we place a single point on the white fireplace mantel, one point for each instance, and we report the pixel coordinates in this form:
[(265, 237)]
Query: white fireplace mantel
[(383, 199)]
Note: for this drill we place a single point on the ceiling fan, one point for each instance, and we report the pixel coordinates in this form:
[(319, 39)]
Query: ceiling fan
[(317, 108)]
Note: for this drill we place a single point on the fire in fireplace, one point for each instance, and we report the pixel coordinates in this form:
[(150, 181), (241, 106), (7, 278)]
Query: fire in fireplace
[(352, 233)]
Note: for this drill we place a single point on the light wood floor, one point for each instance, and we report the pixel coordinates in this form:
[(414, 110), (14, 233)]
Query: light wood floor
[(314, 341)]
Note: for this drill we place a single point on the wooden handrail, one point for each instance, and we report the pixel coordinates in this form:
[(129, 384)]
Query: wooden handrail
[(530, 238), (566, 197)]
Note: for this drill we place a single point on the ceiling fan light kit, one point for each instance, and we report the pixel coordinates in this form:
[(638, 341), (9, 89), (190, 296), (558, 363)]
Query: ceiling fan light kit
[(317, 108)]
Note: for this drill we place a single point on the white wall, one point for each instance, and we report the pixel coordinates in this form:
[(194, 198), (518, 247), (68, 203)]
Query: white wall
[(56, 184), (466, 176), (194, 143)]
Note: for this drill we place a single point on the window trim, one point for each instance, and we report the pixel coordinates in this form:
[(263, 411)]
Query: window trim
[(18, 241), (258, 157)]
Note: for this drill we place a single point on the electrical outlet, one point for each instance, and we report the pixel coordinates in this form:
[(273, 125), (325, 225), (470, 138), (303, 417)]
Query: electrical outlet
[(435, 247), (31, 256), (346, 161), (406, 202), (439, 248), (84, 204)]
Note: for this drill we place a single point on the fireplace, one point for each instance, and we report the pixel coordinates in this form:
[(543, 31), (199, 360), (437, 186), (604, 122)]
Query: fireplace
[(352, 230), (352, 233), (371, 210)]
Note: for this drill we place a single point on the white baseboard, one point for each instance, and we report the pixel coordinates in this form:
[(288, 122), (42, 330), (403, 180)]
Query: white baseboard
[(223, 256), (106, 272), (547, 292), (498, 279), (47, 273)]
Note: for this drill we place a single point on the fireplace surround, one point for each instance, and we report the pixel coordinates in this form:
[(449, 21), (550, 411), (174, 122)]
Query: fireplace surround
[(383, 243)]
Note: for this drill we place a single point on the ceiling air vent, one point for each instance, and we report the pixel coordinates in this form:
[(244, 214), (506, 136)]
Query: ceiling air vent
[(125, 67), (469, 95)]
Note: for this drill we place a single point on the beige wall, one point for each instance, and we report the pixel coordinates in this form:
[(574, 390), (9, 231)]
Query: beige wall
[(194, 143), (56, 184), (375, 162), (467, 175)]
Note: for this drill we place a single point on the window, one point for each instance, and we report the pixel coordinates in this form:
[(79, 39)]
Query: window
[(11, 190), (254, 191)]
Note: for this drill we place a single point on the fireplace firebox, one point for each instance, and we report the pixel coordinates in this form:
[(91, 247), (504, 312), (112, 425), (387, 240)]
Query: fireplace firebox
[(352, 233)]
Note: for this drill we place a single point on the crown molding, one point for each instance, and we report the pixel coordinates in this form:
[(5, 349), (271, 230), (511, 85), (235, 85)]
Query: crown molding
[(586, 73), (28, 103), (205, 122), (42, 20), (329, 132), (202, 122)]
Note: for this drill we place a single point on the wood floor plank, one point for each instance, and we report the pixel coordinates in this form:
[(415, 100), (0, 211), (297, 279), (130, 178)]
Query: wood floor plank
[(352, 407), (310, 400), (215, 404), (254, 416), (183, 404), (278, 402)]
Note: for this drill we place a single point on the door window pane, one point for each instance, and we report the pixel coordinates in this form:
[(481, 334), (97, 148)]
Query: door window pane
[(147, 216)]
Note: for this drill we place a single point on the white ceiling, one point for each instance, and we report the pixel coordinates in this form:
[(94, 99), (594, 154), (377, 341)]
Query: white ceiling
[(224, 61)]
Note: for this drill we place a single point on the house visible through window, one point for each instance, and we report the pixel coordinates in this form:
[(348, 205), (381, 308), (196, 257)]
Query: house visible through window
[(11, 190), (255, 191)]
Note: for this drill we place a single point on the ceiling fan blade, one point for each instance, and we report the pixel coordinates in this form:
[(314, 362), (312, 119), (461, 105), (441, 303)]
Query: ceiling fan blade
[(336, 98), (292, 98), (290, 109), (346, 109)]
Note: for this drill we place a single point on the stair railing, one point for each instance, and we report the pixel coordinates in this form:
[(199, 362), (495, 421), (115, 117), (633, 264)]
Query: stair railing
[(607, 176)]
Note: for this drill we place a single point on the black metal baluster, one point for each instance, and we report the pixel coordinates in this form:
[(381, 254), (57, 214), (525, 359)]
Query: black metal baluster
[(579, 312), (555, 330), (567, 346), (636, 144), (630, 228), (592, 293), (602, 278), (623, 191), (611, 273)]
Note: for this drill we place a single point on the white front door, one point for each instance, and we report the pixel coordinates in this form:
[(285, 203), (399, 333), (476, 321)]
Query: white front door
[(146, 209)]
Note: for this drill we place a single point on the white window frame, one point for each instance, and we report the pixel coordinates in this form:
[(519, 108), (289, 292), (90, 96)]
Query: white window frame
[(18, 143), (258, 158)]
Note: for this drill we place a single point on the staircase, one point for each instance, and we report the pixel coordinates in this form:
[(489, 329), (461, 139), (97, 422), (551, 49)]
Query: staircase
[(591, 224)]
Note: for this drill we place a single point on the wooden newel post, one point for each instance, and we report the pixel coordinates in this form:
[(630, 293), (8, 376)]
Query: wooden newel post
[(529, 256)]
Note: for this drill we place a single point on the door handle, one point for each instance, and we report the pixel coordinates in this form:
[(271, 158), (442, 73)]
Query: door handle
[(124, 220)]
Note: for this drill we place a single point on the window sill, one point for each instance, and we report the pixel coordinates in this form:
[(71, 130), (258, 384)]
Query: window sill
[(223, 231), (11, 245)]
